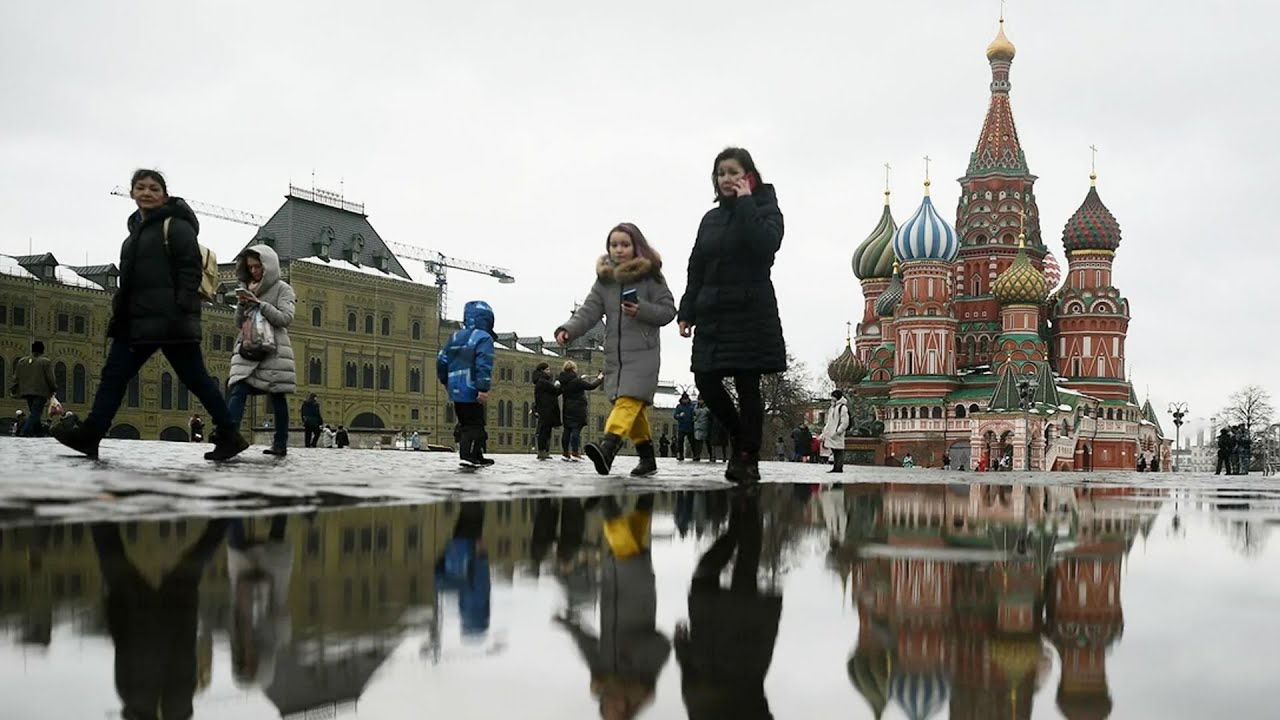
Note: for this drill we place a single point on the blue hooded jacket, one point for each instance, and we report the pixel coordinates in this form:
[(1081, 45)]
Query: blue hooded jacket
[(465, 363)]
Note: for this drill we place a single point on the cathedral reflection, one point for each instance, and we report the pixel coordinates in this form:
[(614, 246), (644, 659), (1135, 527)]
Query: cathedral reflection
[(964, 593)]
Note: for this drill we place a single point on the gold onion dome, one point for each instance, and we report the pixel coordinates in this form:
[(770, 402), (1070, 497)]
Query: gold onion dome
[(874, 257), (1021, 284), (1001, 48), (846, 370)]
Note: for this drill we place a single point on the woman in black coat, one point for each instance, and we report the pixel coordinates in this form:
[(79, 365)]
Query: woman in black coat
[(730, 299), (574, 389), (546, 403), (156, 308)]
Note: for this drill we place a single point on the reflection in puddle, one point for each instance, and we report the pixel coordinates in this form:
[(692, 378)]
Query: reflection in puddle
[(958, 601)]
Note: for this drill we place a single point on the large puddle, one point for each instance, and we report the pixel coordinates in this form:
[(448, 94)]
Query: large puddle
[(790, 601)]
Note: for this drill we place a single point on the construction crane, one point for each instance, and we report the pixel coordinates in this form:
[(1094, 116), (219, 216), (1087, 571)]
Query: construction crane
[(438, 265), (435, 263)]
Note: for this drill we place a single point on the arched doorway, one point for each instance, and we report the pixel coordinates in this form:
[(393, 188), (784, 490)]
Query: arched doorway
[(173, 433), (124, 431), (959, 453), (368, 420)]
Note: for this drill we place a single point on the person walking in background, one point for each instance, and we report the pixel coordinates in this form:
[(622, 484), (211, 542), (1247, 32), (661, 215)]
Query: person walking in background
[(632, 296), (729, 299), (683, 416), (573, 391), (33, 381), (312, 420), (664, 445), (258, 572), (546, 403), (834, 431), (465, 367), (701, 429), (800, 440), (195, 429), (157, 307), (255, 370)]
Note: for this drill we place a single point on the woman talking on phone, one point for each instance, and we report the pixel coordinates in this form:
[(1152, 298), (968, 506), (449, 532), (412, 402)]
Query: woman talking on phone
[(729, 299)]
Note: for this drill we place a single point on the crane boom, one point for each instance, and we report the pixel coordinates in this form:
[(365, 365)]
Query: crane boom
[(217, 211)]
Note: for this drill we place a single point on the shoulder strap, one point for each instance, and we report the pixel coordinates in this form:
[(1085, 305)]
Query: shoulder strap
[(166, 230)]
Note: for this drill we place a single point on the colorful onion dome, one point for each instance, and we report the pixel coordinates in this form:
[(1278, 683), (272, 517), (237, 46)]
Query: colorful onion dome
[(926, 236), (1052, 271), (888, 301), (1092, 227), (1001, 48), (1021, 283), (920, 694), (874, 257), (846, 370)]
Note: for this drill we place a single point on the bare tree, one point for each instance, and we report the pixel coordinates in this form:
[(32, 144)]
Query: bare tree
[(1250, 406)]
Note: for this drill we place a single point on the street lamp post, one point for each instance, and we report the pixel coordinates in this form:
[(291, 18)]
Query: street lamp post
[(1178, 410), (1027, 387)]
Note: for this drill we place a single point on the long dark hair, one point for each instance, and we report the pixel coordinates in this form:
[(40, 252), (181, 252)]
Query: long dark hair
[(733, 153), (638, 241)]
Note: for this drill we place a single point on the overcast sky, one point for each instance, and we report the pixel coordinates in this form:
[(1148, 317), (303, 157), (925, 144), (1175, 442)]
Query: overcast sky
[(518, 133)]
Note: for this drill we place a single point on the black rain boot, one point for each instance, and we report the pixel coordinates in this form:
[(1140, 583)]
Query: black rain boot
[(468, 448), (230, 443), (79, 437), (281, 452), (648, 465), (604, 453)]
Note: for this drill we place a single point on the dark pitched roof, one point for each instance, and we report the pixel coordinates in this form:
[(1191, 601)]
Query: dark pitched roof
[(87, 270), (301, 222), (1005, 397), (41, 259)]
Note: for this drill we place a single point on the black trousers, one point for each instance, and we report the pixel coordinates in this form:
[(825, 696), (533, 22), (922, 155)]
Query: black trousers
[(544, 437), (745, 422), (310, 435), (837, 460), (683, 436), (471, 417)]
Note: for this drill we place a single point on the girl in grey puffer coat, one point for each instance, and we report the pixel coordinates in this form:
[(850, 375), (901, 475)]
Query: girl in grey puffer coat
[(632, 297), (258, 269)]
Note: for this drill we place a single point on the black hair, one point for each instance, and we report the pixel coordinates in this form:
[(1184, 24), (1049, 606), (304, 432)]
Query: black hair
[(542, 366), (146, 174), (837, 394), (37, 347), (733, 153)]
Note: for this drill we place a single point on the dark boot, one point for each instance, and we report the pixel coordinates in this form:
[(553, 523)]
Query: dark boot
[(604, 453), (648, 461), (79, 437), (281, 452), (468, 447), (229, 444)]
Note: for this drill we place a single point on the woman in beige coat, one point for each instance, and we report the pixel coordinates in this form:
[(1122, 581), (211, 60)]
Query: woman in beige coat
[(258, 269)]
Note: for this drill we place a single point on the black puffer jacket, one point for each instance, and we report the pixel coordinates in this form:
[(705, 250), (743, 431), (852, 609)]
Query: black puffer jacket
[(729, 296), (574, 389), (159, 296), (546, 398)]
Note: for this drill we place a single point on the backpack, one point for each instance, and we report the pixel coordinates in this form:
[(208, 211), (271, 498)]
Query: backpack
[(208, 267)]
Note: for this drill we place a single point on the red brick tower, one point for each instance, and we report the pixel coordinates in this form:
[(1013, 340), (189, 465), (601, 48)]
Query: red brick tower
[(1091, 317), (995, 193)]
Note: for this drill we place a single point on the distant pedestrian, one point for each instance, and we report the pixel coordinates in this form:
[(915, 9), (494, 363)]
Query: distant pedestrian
[(312, 420), (546, 403), (631, 295), (156, 308), (340, 438), (729, 298), (33, 381), (800, 439), (573, 391), (195, 429), (465, 367), (664, 445), (263, 291), (780, 450), (326, 437), (834, 431), (701, 429), (683, 415)]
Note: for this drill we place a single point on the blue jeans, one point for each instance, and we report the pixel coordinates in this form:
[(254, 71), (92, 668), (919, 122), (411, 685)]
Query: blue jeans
[(35, 410), (571, 438), (125, 360), (279, 407)]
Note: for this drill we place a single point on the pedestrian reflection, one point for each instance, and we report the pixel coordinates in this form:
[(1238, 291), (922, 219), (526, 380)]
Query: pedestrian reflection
[(563, 523), (725, 648), (627, 656), (154, 628), (463, 568), (259, 571)]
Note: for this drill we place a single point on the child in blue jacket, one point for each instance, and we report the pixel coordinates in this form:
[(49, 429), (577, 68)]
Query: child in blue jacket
[(465, 367)]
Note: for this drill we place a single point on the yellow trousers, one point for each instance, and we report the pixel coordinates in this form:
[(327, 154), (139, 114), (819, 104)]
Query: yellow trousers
[(627, 535), (628, 420)]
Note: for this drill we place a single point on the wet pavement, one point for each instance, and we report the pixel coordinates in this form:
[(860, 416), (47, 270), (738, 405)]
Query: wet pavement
[(152, 585)]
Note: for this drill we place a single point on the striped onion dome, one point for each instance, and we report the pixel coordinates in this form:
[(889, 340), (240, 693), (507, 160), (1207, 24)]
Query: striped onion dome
[(1092, 227), (920, 695), (1052, 271), (1021, 283), (846, 370), (874, 257), (926, 236), (888, 301)]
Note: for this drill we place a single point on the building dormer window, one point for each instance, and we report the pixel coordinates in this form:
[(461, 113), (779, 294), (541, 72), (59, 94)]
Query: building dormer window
[(355, 249), (323, 242)]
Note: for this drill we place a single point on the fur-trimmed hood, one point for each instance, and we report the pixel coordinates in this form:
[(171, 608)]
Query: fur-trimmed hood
[(630, 271)]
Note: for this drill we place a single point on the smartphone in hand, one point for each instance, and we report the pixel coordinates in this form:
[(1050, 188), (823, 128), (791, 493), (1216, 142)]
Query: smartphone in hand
[(631, 295)]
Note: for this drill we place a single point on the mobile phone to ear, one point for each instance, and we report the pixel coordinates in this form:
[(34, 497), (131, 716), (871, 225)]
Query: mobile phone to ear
[(752, 181), (631, 295)]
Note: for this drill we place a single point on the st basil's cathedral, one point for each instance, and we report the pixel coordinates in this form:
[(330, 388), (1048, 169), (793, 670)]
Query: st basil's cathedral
[(969, 348)]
